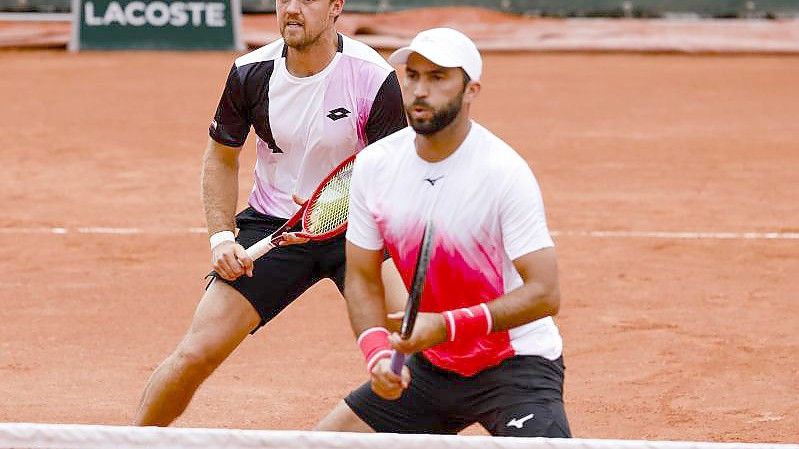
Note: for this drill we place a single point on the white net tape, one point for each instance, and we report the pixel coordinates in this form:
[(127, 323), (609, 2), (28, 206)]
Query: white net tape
[(73, 436)]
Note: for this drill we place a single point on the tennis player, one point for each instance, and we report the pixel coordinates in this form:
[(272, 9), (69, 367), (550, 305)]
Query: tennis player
[(313, 98), (486, 349)]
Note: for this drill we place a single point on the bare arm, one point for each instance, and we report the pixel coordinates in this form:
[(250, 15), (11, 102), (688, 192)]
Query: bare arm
[(364, 292), (364, 288), (537, 298), (220, 188)]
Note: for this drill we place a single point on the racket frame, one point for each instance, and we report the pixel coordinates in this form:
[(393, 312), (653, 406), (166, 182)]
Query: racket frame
[(415, 295), (307, 206), (266, 244)]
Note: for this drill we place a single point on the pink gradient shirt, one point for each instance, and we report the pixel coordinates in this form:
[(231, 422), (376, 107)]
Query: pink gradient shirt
[(487, 210)]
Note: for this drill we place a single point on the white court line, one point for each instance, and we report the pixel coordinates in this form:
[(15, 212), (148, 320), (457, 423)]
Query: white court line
[(682, 235), (102, 230), (673, 235)]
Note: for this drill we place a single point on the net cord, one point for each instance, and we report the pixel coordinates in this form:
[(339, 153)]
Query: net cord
[(82, 436)]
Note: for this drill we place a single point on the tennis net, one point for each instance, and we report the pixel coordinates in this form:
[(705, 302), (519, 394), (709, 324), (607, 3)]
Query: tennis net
[(78, 436)]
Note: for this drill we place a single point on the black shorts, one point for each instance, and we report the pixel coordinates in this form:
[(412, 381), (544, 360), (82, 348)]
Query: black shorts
[(284, 273), (520, 397)]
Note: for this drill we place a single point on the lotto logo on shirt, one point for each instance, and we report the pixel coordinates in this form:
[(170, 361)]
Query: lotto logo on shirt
[(156, 13)]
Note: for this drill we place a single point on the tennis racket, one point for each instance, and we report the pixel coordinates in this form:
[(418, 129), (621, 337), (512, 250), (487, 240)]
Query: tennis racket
[(415, 295), (323, 216)]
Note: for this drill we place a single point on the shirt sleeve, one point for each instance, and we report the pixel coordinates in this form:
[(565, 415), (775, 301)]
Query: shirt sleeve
[(522, 216), (387, 115), (362, 228), (231, 123)]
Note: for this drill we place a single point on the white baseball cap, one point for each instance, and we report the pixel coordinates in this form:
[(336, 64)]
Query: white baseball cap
[(444, 47)]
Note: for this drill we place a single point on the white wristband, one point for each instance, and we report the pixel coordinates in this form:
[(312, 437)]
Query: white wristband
[(222, 236)]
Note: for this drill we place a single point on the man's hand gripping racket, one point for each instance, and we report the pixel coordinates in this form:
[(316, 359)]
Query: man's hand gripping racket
[(415, 295), (323, 216)]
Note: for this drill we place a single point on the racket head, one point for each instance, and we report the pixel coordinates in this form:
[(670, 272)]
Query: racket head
[(325, 212), (418, 281)]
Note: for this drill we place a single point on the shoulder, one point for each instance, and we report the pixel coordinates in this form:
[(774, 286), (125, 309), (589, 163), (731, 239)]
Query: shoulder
[(499, 162), (267, 53), (387, 150), (498, 154), (359, 51)]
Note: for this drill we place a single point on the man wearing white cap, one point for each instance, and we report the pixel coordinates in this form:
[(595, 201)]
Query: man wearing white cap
[(485, 347)]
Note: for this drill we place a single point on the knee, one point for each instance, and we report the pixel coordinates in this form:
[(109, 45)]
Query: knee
[(195, 360)]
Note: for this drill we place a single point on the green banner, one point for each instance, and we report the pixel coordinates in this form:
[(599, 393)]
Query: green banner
[(156, 24)]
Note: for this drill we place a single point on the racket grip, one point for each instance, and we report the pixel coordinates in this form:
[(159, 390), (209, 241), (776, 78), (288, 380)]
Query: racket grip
[(260, 248), (397, 361)]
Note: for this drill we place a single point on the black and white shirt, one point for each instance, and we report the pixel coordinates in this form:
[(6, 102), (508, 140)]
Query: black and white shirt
[(305, 126)]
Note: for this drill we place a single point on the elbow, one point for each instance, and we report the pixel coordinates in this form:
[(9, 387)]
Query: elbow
[(551, 302)]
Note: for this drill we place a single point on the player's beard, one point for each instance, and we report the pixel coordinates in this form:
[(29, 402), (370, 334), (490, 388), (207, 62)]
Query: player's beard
[(300, 42), (441, 117)]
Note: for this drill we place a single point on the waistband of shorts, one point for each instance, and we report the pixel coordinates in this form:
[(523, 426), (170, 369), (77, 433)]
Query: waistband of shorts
[(252, 212), (252, 216), (427, 364)]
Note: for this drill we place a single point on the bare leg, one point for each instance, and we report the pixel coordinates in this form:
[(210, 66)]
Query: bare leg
[(222, 320), (343, 419)]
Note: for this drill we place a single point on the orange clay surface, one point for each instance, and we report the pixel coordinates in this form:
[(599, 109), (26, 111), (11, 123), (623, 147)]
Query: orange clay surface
[(665, 338)]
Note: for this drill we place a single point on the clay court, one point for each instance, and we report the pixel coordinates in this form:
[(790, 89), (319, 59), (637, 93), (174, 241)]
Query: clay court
[(669, 180)]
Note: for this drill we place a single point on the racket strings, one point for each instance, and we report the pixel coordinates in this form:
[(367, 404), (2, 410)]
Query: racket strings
[(328, 210)]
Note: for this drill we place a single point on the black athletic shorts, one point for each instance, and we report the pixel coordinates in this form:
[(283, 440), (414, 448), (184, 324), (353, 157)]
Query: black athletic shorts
[(520, 397), (285, 272)]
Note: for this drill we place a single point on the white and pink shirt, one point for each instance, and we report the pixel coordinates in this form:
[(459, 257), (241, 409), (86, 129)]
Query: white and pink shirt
[(305, 126), (486, 209)]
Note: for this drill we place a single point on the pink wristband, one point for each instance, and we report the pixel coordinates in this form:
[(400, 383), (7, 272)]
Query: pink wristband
[(468, 324), (374, 346)]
